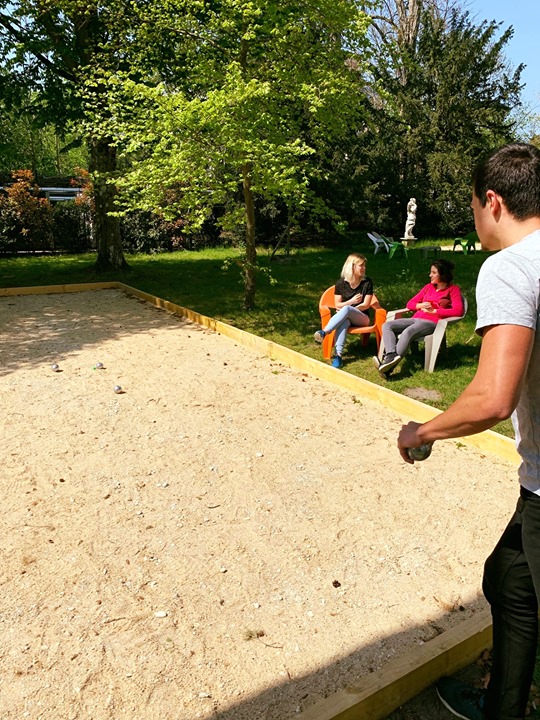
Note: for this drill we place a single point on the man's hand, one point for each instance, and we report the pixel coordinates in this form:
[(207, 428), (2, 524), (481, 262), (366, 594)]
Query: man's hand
[(408, 438)]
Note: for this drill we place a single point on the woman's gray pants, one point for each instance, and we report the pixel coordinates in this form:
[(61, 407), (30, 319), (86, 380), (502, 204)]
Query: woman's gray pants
[(399, 334)]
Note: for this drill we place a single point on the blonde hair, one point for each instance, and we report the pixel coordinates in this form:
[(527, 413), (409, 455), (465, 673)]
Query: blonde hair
[(347, 269)]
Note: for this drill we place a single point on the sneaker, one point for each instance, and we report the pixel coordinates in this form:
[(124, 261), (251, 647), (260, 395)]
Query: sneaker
[(337, 362), (377, 364), (462, 700), (389, 362), (319, 336)]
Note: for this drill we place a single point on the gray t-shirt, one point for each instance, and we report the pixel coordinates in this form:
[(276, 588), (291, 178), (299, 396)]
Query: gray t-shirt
[(508, 293)]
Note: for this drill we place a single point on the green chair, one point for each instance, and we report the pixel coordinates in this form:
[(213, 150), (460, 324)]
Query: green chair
[(400, 248), (467, 243), (393, 245)]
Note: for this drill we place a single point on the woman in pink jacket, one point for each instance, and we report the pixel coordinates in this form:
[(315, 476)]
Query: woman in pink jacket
[(440, 298)]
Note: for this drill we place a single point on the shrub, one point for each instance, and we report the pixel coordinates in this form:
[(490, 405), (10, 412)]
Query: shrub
[(72, 227), (25, 219), (146, 232)]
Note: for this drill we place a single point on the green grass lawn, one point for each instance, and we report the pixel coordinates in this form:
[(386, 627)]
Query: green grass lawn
[(288, 291)]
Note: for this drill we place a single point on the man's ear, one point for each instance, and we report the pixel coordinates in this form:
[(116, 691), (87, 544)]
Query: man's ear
[(494, 202)]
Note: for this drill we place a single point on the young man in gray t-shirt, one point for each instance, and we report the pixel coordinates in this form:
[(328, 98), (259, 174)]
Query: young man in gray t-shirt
[(506, 206)]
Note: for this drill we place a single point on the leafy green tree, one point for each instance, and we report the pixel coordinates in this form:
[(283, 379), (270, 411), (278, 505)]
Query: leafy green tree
[(527, 122), (25, 142), (449, 96), (269, 88), (48, 48)]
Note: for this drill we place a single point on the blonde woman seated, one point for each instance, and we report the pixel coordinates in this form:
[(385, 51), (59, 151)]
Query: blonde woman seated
[(352, 299), (438, 299)]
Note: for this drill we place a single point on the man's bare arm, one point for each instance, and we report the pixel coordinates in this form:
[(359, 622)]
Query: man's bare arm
[(492, 394)]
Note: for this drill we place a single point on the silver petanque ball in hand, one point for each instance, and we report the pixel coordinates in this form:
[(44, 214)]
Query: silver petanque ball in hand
[(420, 453), (117, 389), (55, 367)]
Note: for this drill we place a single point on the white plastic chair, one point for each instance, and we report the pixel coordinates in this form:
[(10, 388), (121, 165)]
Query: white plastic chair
[(433, 342), (392, 246), (379, 242)]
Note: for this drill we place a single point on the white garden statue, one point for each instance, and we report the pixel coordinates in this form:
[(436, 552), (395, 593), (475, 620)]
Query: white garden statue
[(411, 220)]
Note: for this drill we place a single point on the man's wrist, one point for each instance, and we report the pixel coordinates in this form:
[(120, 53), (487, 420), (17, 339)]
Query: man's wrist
[(423, 433)]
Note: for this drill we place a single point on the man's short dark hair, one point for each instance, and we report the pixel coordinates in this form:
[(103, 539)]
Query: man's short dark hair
[(513, 172)]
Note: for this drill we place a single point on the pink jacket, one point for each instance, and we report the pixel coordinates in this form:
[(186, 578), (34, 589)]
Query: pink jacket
[(448, 302)]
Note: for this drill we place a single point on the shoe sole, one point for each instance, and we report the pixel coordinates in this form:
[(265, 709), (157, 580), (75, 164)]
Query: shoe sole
[(318, 339), (451, 709)]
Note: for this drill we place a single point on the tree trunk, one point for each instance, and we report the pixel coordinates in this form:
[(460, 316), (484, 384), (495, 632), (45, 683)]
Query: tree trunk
[(286, 234), (110, 255), (409, 22), (250, 263)]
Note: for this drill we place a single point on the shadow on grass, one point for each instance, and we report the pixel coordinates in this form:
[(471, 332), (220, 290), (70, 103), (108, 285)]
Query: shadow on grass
[(210, 282)]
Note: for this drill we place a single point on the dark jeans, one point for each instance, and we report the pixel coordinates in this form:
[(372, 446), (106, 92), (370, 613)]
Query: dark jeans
[(512, 585)]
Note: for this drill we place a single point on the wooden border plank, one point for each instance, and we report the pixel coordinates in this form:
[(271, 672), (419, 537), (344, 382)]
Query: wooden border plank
[(54, 289), (379, 693)]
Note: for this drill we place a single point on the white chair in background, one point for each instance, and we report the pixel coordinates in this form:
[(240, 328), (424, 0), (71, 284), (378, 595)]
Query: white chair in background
[(379, 242), (433, 342)]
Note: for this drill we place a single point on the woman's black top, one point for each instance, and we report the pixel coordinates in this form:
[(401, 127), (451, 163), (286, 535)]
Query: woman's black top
[(365, 287)]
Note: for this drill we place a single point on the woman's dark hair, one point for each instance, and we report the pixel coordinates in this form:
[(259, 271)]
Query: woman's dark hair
[(445, 268)]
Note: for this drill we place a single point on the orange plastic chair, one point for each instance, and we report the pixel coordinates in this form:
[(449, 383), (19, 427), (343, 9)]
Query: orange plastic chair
[(327, 304)]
